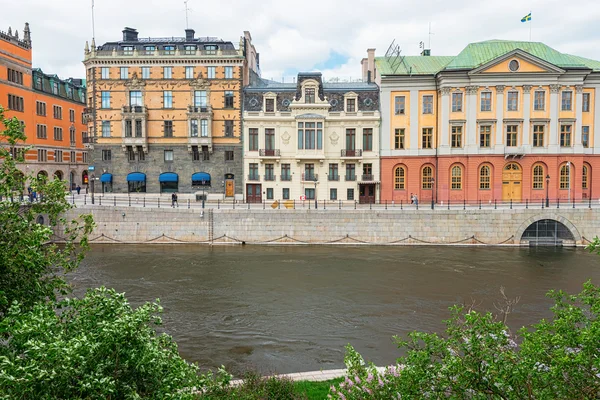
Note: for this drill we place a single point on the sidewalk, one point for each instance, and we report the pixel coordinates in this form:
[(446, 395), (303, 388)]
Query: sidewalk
[(315, 376)]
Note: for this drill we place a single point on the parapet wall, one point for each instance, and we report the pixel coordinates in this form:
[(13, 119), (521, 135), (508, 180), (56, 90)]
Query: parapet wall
[(166, 225)]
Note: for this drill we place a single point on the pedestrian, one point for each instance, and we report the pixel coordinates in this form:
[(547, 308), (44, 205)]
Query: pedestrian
[(33, 196), (412, 198), (78, 188), (174, 200), (416, 201), (29, 191)]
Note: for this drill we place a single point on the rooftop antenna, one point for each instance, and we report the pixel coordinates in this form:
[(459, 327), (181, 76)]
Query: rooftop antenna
[(430, 33), (396, 58), (93, 22), (187, 10)]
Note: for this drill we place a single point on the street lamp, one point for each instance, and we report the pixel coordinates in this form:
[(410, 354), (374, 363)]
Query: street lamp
[(433, 193), (316, 204), (93, 178), (547, 184)]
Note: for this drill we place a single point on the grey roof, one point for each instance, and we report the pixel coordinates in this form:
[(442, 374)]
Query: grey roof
[(265, 85)]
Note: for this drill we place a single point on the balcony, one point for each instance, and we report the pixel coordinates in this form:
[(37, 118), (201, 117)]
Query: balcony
[(200, 110), (310, 177), (333, 178), (351, 153), (134, 110), (285, 178), (350, 178), (269, 153), (253, 177), (88, 115), (269, 177), (367, 178), (513, 152)]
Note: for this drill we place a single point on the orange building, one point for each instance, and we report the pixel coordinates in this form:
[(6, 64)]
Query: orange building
[(50, 110)]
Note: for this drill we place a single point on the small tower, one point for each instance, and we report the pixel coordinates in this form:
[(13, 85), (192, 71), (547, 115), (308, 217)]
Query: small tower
[(27, 34)]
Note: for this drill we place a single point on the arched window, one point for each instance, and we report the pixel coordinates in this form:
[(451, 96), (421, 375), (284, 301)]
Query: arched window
[(456, 177), (399, 178), (584, 177), (484, 177), (564, 176), (427, 178), (538, 177)]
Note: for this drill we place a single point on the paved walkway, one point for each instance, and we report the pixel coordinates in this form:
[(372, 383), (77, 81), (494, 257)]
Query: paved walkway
[(315, 376)]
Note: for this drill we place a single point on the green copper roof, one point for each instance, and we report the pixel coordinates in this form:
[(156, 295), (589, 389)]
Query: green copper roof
[(478, 54)]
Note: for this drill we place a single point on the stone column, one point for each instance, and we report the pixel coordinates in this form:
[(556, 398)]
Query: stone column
[(444, 128), (414, 121), (577, 126), (526, 115), (499, 117), (471, 116), (553, 132)]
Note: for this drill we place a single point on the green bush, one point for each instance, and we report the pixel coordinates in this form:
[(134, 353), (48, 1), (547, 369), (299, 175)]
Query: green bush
[(256, 387)]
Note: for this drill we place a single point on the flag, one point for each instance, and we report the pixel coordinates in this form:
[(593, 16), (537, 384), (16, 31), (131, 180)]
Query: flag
[(526, 18)]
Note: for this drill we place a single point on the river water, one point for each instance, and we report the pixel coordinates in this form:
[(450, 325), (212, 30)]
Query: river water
[(293, 308)]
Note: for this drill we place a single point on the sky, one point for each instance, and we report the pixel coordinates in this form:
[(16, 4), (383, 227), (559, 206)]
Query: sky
[(330, 36)]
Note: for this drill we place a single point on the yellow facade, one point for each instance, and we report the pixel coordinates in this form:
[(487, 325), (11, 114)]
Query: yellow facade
[(524, 67), (400, 121)]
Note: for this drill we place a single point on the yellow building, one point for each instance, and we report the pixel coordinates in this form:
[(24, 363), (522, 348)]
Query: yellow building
[(165, 113)]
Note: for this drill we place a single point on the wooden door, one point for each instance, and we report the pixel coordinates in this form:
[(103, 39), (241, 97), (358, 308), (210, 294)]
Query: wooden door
[(229, 188), (253, 193), (366, 194), (512, 176)]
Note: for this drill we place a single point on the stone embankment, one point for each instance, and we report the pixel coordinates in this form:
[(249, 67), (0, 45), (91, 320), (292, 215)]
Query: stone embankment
[(355, 227)]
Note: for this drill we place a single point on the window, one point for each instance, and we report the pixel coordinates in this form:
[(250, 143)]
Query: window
[(427, 138), (486, 101), (333, 172), (14, 76), (145, 72), (269, 172), (538, 136), (168, 128), (456, 177), (130, 153), (332, 194), (565, 176), (128, 128), (149, 50), (511, 135), (539, 100), (350, 105), (228, 128), (253, 171), (189, 50), (285, 172), (428, 104), (565, 136), (457, 102), (367, 139), (350, 139), (309, 193), (313, 138), (253, 139), (399, 105), (269, 193), (58, 134), (189, 72), (135, 98), (399, 138), (72, 157), (309, 172), (228, 155), (55, 88), (200, 98), (127, 50), (42, 132), (105, 73), (484, 177), (58, 156), (513, 65), (270, 139), (269, 105), (72, 115), (106, 155), (195, 153), (194, 128), (168, 155), (285, 193), (584, 177), (228, 99), (124, 72), (228, 72), (485, 135), (138, 128), (105, 99), (72, 136), (167, 72), (350, 194), (566, 101), (586, 102), (167, 99), (57, 112), (169, 50), (211, 72), (15, 103), (399, 178), (85, 157), (512, 101), (42, 155), (427, 178), (456, 136), (538, 177), (585, 136), (105, 128), (309, 95), (350, 172), (40, 108), (204, 127)]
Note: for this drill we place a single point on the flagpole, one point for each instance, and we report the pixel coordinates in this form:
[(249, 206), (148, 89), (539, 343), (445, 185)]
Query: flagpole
[(530, 19)]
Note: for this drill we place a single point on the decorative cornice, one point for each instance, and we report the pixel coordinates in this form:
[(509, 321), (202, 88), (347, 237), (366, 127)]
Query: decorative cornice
[(472, 89), (554, 88), (579, 89), (527, 89), (445, 91), (500, 88)]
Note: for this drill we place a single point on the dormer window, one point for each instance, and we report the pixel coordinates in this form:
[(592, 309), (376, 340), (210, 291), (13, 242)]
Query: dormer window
[(309, 95), (210, 49), (350, 105), (169, 50), (149, 50), (55, 88), (270, 105), (189, 49), (127, 50)]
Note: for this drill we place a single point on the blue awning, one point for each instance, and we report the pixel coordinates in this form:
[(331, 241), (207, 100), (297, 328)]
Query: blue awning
[(168, 177), (136, 177), (200, 178), (105, 178)]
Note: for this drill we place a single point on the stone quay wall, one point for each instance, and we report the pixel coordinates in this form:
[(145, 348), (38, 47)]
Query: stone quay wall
[(378, 227)]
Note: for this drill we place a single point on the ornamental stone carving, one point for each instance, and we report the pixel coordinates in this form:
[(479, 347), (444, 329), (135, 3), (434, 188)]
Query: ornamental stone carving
[(527, 89), (579, 89), (500, 88), (334, 138), (554, 88), (135, 82), (445, 91), (285, 138), (472, 89)]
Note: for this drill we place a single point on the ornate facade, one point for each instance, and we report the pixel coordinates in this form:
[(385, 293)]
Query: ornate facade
[(502, 121), (311, 141), (50, 110), (165, 113)]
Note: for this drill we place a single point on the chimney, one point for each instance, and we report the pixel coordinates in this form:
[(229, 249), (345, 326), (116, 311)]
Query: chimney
[(370, 61), (130, 35), (364, 67), (426, 52), (189, 34)]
